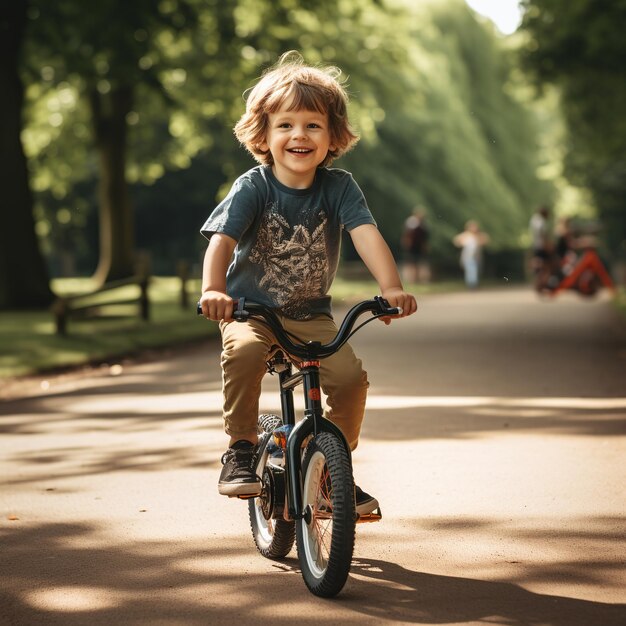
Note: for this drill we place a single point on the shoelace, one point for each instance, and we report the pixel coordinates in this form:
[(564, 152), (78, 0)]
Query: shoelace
[(240, 461)]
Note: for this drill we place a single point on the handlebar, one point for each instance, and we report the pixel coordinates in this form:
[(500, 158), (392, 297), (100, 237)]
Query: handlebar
[(311, 350)]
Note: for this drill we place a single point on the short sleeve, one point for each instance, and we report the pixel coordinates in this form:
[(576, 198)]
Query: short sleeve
[(237, 212), (353, 209)]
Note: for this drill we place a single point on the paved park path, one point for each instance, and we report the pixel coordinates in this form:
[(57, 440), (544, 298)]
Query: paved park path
[(494, 440)]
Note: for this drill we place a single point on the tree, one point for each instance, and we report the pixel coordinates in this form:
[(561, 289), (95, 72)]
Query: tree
[(148, 46), (452, 137), (23, 275), (197, 57), (106, 64), (579, 46)]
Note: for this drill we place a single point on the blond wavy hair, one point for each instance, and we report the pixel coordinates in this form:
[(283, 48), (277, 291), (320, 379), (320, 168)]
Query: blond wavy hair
[(307, 88)]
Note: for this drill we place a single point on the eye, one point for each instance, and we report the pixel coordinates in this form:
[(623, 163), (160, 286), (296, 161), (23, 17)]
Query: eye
[(284, 125), (313, 125)]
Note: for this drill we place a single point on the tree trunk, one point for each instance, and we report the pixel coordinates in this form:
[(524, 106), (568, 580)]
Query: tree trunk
[(24, 281), (116, 257)]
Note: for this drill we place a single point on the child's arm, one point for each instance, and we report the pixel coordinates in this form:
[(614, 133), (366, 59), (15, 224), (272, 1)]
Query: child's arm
[(216, 303), (376, 255)]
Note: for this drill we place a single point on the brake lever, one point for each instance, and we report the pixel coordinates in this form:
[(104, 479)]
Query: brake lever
[(385, 309), (240, 314)]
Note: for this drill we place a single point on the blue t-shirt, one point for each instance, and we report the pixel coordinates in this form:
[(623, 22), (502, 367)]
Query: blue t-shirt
[(288, 240)]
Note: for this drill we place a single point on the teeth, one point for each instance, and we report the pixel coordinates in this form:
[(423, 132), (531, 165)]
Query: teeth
[(300, 150)]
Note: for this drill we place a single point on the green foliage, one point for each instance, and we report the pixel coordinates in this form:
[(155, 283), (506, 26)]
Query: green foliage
[(72, 53), (454, 139), (432, 97), (30, 343), (579, 46)]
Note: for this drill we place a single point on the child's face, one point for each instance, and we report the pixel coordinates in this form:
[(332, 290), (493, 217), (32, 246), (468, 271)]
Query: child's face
[(299, 141)]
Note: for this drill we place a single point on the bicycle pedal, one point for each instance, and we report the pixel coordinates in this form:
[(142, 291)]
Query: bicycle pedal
[(375, 516), (247, 496)]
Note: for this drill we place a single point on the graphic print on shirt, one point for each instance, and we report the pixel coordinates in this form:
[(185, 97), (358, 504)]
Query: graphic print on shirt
[(293, 260)]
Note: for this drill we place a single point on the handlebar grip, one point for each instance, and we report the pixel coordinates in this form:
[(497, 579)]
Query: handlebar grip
[(238, 315)]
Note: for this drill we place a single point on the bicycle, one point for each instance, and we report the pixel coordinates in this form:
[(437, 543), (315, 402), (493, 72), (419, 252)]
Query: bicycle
[(307, 488), (586, 274)]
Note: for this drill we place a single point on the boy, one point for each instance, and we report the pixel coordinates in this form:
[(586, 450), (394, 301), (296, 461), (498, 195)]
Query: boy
[(275, 240)]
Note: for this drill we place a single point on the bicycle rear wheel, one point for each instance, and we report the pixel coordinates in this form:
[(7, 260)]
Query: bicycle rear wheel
[(325, 536), (272, 535)]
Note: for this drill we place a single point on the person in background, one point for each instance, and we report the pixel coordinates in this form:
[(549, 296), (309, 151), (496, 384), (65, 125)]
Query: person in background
[(565, 245), (471, 241), (542, 246), (414, 244)]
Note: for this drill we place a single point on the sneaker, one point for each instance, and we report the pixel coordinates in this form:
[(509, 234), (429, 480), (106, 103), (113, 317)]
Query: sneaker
[(238, 477), (365, 504)]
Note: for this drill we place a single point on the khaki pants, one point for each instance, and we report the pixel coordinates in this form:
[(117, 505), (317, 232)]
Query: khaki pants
[(246, 346)]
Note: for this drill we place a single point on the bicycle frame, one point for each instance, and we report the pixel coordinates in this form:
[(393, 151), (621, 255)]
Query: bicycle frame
[(312, 423)]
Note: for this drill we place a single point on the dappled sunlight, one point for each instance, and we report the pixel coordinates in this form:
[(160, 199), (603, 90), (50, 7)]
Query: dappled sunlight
[(421, 417), (71, 599), (174, 403), (70, 423), (415, 596), (402, 402), (501, 488), (93, 573), (536, 552), (182, 427), (405, 415), (58, 464), (450, 547)]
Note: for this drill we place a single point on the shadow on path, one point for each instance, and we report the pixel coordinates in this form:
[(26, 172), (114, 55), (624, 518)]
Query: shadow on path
[(81, 578), (422, 598)]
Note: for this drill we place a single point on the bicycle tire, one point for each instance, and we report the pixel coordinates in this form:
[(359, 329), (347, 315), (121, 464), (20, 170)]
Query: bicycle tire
[(273, 538), (326, 541)]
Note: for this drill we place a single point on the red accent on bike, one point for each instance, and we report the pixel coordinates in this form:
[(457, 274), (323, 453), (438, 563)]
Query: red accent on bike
[(309, 364), (590, 263), (280, 439), (314, 394)]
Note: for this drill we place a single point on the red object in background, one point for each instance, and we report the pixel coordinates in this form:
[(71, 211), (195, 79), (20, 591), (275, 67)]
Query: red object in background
[(588, 275)]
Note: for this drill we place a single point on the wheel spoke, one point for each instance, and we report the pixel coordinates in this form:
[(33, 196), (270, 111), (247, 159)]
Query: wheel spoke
[(322, 519), (326, 486), (320, 558), (325, 536)]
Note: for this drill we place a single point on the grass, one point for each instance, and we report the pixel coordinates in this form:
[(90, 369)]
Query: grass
[(30, 345), (620, 301)]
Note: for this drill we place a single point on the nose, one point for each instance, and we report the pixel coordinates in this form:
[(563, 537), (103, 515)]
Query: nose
[(300, 132)]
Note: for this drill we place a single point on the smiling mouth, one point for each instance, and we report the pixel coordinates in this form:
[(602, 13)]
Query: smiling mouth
[(300, 150)]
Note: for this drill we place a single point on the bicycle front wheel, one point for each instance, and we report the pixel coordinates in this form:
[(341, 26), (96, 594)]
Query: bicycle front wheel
[(325, 536)]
